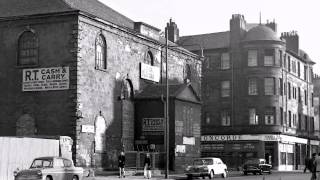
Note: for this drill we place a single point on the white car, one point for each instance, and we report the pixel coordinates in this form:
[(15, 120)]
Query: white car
[(208, 166)]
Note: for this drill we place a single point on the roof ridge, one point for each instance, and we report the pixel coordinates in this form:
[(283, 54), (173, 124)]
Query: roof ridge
[(206, 34)]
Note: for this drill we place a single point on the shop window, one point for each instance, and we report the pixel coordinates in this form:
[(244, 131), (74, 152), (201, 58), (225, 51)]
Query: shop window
[(268, 57), (269, 86), (225, 118), (28, 49), (290, 158), (225, 61), (225, 89), (253, 86), (253, 117), (269, 116), (283, 157), (252, 58), (101, 53)]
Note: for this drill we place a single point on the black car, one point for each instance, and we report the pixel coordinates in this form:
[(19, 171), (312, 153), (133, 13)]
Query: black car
[(256, 166)]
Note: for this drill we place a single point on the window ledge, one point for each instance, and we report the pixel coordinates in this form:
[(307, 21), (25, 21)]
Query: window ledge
[(99, 69), (27, 66)]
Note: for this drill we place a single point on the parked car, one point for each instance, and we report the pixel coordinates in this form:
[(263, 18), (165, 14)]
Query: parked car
[(208, 166), (256, 166), (50, 168)]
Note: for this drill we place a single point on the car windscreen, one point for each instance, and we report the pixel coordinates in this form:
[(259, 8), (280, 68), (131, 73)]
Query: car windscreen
[(252, 161), (202, 162), (42, 163)]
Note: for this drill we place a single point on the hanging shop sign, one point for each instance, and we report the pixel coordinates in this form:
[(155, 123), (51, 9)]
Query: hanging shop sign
[(45, 79), (87, 128), (189, 140), (148, 72)]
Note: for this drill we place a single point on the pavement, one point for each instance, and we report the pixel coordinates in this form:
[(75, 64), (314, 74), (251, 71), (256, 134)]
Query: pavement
[(114, 175)]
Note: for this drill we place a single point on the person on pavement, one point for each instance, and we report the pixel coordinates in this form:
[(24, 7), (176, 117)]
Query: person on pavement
[(147, 166), (316, 168), (312, 166), (122, 162)]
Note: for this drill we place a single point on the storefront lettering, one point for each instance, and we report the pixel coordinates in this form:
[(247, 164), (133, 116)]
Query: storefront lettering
[(220, 138)]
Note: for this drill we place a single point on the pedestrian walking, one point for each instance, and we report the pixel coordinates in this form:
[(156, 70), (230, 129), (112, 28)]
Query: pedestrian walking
[(147, 166), (121, 162), (307, 163), (315, 168)]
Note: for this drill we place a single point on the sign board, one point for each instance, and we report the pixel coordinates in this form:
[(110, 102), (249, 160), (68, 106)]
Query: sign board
[(148, 72), (87, 128), (180, 148), (45, 79), (260, 137), (152, 124), (189, 140)]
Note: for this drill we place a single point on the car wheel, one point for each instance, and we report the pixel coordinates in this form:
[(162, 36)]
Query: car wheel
[(224, 174), (203, 177), (270, 172), (245, 173), (189, 176), (211, 174), (75, 178), (48, 178), (260, 172), (254, 173)]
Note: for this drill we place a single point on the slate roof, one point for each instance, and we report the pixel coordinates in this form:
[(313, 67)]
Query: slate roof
[(261, 33), (206, 41), (14, 8)]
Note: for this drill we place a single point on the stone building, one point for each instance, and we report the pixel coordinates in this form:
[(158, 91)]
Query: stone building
[(73, 67), (257, 95)]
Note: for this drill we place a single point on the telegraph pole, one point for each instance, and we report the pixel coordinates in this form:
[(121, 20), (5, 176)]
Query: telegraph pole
[(167, 111)]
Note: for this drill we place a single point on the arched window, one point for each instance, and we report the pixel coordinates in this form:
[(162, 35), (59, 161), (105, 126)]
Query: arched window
[(101, 52), (28, 49), (127, 89), (149, 58), (188, 72)]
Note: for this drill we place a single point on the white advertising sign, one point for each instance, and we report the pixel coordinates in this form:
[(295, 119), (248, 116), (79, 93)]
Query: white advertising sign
[(87, 128), (180, 149), (148, 72), (189, 140), (45, 79)]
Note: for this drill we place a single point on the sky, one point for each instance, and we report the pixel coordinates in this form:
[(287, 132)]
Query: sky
[(209, 16)]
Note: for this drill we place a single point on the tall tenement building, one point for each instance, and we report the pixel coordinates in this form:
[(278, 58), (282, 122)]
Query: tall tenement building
[(257, 95)]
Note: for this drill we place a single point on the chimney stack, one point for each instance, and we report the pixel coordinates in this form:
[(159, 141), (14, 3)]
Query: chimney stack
[(173, 31), (292, 41)]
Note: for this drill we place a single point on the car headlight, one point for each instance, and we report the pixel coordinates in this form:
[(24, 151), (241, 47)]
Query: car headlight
[(39, 173), (15, 173), (188, 168), (205, 168)]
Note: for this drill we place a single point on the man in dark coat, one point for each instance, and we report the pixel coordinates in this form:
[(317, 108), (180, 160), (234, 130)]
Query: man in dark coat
[(122, 162)]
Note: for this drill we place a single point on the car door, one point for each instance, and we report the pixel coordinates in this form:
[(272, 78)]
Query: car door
[(59, 170), (69, 169)]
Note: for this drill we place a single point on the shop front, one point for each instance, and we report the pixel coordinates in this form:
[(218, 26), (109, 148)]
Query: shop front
[(279, 150)]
